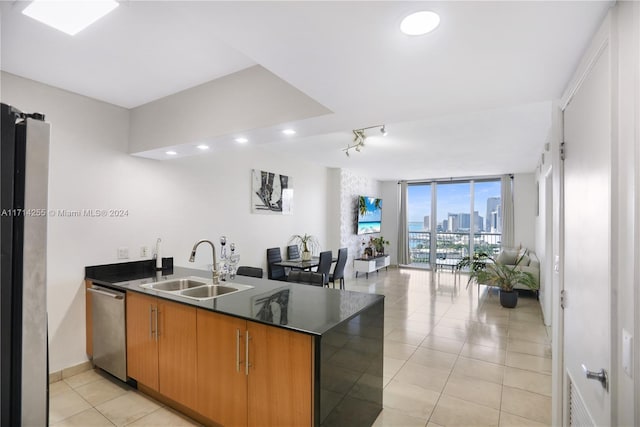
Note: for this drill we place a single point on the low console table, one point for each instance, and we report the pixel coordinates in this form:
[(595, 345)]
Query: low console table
[(371, 264)]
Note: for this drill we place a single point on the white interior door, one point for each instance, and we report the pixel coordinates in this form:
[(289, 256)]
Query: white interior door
[(547, 297), (587, 245)]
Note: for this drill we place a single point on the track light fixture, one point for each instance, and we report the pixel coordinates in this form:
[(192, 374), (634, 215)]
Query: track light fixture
[(359, 137)]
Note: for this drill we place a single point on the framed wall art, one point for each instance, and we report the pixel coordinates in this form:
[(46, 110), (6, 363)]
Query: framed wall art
[(271, 193)]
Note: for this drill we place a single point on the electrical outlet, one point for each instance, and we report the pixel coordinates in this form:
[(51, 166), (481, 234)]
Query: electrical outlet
[(144, 252), (123, 253)]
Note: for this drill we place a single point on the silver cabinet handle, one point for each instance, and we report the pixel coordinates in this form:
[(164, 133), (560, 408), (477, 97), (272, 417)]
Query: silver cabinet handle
[(598, 376), (237, 350), (150, 321), (157, 328), (246, 355)]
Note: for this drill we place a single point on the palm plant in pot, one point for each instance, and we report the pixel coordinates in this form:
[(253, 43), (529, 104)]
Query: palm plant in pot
[(485, 270), (307, 243)]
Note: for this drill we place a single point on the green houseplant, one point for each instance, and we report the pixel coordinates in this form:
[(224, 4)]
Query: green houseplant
[(378, 243), (486, 270), (307, 244)]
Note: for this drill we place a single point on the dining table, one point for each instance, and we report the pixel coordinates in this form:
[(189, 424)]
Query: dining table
[(299, 264)]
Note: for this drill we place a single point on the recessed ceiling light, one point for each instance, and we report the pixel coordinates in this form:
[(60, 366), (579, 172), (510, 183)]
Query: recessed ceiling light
[(171, 153), (70, 17), (420, 23), (242, 140), (203, 147), (289, 132)]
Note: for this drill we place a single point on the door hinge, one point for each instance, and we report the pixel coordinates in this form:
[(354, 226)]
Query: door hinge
[(563, 152), (563, 299)]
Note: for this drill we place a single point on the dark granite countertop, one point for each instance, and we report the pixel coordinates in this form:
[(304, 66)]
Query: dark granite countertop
[(309, 309)]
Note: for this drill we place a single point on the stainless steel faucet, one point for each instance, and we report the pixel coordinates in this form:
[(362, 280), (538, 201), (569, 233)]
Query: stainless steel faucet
[(192, 258)]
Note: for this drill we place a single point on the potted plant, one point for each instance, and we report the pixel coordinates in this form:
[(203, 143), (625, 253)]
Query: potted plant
[(378, 243), (487, 271), (307, 243)]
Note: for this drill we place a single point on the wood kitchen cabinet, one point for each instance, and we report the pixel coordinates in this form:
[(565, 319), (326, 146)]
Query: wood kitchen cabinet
[(142, 344), (253, 374), (222, 381), (280, 380), (161, 346)]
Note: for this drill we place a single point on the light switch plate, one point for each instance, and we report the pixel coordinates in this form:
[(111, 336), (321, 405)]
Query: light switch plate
[(627, 353)]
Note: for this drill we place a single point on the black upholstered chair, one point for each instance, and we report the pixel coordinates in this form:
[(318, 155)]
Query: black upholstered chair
[(275, 272), (244, 270), (293, 252), (307, 277), (338, 271), (324, 265)]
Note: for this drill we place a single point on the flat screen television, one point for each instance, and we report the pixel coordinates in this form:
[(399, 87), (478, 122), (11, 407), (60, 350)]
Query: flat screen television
[(369, 215)]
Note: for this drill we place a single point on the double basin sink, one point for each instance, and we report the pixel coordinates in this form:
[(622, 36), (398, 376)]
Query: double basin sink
[(197, 288)]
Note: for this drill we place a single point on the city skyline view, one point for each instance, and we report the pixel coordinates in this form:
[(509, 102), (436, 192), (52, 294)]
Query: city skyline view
[(452, 198)]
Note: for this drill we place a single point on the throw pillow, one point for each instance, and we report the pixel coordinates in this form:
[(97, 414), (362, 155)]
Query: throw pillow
[(524, 262), (507, 257)]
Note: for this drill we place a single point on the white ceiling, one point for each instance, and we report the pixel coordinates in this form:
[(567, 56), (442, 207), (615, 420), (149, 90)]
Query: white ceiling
[(470, 98)]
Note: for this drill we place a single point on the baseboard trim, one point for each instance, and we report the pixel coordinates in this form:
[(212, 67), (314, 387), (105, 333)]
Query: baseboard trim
[(69, 372)]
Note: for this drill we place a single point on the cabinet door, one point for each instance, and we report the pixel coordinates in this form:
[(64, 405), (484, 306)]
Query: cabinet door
[(177, 352), (280, 381), (222, 382), (142, 346)]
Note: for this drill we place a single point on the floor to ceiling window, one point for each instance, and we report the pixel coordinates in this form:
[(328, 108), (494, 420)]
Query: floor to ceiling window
[(454, 221), (487, 209), (419, 218), (450, 220)]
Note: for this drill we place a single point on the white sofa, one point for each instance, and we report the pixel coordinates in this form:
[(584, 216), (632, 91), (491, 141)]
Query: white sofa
[(530, 263)]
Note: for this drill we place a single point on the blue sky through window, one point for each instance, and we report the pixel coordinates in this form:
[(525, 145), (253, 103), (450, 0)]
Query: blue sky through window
[(452, 198)]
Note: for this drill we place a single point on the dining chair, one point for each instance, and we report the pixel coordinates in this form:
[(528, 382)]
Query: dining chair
[(293, 252), (324, 265), (307, 277), (244, 270), (338, 271), (275, 272)]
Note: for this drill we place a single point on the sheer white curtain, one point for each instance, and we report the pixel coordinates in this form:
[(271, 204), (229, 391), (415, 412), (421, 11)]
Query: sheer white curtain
[(403, 228), (507, 212)]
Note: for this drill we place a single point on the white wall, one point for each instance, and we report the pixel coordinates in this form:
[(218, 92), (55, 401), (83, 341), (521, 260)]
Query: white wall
[(524, 205), (625, 208), (352, 186), (180, 201), (391, 216)]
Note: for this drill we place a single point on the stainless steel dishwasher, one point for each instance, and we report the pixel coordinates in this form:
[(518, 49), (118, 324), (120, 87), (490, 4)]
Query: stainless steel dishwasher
[(109, 331)]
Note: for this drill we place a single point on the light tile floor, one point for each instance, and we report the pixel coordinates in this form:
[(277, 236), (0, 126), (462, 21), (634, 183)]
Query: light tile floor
[(451, 357)]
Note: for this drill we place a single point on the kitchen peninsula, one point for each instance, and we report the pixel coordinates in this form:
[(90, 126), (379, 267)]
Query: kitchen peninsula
[(275, 354)]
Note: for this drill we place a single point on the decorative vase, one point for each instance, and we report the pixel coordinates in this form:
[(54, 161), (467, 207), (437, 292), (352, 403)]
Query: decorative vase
[(306, 255), (508, 299)]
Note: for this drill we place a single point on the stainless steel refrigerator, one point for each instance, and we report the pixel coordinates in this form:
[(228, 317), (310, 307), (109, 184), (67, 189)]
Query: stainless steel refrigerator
[(24, 170)]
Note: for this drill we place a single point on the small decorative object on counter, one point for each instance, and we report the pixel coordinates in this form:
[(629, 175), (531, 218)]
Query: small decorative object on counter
[(158, 255), (234, 260), (223, 263)]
